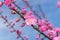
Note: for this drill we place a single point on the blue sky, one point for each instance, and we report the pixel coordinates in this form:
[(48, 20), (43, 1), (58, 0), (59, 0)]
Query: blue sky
[(50, 9)]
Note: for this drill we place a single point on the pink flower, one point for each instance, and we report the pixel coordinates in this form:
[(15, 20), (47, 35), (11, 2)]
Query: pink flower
[(57, 29), (51, 33), (1, 3), (28, 14), (31, 20), (8, 2), (56, 38), (12, 6), (50, 26), (41, 22), (43, 28), (24, 11), (58, 4)]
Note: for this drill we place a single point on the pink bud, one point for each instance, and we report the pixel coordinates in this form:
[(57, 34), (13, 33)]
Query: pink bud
[(17, 20), (19, 32), (26, 37), (24, 11), (11, 30), (1, 3), (29, 13), (58, 4), (41, 22), (22, 25), (12, 6), (50, 26), (38, 36)]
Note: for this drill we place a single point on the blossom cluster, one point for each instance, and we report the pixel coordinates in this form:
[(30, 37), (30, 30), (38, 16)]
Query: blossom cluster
[(29, 19)]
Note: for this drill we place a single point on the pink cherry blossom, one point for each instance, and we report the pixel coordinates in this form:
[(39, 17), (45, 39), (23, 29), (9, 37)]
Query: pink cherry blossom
[(1, 3), (14, 0), (41, 22), (8, 2), (22, 25), (58, 4), (28, 14), (56, 38), (43, 28), (57, 29), (12, 6), (51, 33), (24, 11), (32, 20), (50, 26)]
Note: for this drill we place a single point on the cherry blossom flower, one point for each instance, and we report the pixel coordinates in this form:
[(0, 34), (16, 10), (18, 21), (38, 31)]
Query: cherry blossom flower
[(51, 33), (24, 11), (12, 6), (43, 28), (32, 20), (28, 14), (8, 2), (50, 26), (41, 22), (56, 38)]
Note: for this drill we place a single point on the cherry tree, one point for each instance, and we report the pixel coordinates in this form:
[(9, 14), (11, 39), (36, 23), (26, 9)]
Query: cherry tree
[(29, 18)]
